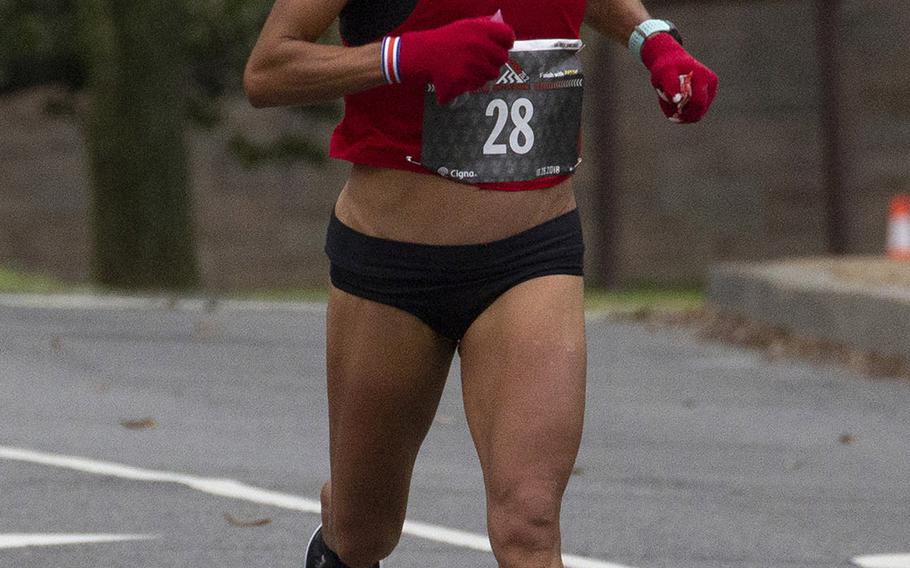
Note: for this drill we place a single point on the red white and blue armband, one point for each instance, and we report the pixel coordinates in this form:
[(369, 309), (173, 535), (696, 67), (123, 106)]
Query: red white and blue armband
[(456, 58), (391, 59)]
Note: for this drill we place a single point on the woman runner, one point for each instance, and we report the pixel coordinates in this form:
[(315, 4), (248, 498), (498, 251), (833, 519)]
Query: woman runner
[(456, 231)]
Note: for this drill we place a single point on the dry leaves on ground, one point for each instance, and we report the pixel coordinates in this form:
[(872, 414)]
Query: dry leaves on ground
[(140, 424), (245, 524), (775, 342)]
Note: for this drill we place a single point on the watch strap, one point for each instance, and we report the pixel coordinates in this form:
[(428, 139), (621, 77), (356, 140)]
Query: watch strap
[(648, 28)]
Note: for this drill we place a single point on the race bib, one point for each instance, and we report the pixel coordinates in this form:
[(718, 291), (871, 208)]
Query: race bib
[(522, 126)]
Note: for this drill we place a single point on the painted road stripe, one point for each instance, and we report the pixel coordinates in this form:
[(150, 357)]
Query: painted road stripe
[(28, 540), (236, 490), (883, 561)]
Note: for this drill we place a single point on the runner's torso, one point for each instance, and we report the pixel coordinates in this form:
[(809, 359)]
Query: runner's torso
[(409, 207), (390, 198), (366, 21)]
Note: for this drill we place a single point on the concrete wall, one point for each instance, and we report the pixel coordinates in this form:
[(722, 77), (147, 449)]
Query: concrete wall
[(256, 228), (745, 184), (876, 111), (43, 197), (749, 182)]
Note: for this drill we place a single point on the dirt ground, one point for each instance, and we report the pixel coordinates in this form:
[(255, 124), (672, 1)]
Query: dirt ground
[(774, 342), (873, 270), (778, 342)]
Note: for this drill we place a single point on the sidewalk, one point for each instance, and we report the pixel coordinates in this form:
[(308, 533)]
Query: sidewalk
[(861, 302)]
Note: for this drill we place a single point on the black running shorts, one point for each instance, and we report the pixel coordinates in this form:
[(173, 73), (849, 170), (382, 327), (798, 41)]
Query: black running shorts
[(449, 286)]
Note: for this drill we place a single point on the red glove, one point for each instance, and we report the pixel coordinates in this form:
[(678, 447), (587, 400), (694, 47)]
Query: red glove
[(685, 86), (456, 58)]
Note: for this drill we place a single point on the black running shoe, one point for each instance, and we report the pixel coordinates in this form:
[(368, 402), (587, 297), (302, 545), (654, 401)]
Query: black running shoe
[(318, 555)]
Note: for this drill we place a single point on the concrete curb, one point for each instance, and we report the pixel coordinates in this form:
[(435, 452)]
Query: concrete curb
[(154, 303), (113, 302), (808, 297)]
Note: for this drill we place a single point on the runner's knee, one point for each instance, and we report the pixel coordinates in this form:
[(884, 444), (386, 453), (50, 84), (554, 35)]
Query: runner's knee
[(524, 524)]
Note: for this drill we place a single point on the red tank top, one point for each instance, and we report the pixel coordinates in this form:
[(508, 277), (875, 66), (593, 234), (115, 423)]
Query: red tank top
[(382, 126)]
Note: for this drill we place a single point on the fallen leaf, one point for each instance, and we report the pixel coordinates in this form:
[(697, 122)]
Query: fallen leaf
[(243, 524), (140, 424), (205, 329)]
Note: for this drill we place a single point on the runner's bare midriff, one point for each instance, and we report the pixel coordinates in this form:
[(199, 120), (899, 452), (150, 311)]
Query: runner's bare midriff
[(417, 208)]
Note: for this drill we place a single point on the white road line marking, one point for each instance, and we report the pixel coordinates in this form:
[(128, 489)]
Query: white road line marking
[(883, 561), (220, 487), (237, 490), (15, 540)]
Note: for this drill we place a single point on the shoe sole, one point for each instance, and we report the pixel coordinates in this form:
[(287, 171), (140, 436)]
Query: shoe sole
[(310, 543)]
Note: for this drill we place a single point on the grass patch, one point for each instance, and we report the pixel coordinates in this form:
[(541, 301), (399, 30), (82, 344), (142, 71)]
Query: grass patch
[(631, 300), (644, 299), (284, 295), (16, 282)]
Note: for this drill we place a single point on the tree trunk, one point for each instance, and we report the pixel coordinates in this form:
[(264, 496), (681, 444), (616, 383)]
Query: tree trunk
[(141, 202)]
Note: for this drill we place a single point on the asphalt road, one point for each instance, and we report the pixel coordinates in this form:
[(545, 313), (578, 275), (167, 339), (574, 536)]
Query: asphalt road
[(695, 455)]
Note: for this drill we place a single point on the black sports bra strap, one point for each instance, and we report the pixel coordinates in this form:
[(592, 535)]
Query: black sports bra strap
[(366, 21)]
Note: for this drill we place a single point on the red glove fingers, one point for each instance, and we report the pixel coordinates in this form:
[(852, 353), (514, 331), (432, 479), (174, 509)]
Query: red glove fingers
[(686, 87), (457, 58)]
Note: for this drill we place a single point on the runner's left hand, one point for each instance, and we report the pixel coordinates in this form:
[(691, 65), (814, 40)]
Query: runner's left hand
[(685, 86)]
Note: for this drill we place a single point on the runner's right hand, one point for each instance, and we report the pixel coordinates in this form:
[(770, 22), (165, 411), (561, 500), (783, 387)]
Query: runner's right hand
[(457, 58)]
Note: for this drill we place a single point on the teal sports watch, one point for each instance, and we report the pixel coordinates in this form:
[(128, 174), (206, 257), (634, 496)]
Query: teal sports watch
[(648, 28)]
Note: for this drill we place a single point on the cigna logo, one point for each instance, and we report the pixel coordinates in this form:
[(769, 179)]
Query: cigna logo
[(456, 174)]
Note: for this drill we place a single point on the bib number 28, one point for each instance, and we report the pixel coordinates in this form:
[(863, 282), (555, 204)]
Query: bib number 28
[(521, 138)]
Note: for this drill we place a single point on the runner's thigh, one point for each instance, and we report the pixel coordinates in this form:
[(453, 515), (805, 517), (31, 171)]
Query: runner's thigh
[(523, 375), (386, 372)]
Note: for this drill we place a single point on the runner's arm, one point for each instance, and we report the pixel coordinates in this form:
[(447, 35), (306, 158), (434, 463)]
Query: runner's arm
[(287, 67), (686, 87), (615, 19)]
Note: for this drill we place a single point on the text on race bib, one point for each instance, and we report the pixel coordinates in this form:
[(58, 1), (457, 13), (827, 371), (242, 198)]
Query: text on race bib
[(521, 138)]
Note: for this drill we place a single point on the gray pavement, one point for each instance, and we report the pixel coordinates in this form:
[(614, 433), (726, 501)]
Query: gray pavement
[(695, 455)]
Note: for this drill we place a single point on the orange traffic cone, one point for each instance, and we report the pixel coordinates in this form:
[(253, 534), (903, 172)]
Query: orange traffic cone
[(899, 228)]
